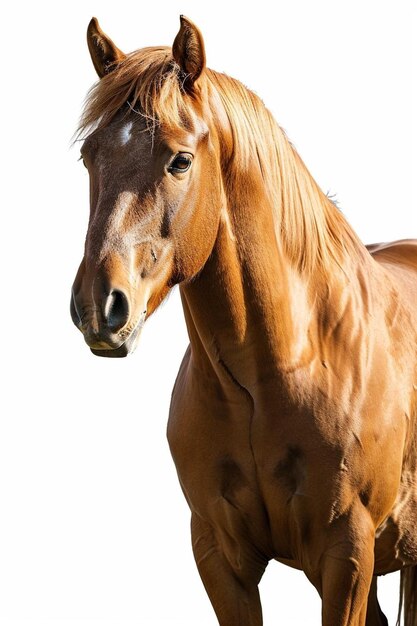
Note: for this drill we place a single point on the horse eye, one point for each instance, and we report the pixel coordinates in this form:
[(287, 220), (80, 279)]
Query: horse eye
[(181, 163)]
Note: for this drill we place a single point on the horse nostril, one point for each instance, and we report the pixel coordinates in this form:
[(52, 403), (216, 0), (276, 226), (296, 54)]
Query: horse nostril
[(116, 310)]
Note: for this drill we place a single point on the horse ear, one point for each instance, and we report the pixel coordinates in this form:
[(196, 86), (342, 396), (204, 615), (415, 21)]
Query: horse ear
[(188, 50), (104, 54)]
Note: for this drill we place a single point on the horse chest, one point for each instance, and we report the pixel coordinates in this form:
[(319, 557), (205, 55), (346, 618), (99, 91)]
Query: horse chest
[(224, 478), (250, 475)]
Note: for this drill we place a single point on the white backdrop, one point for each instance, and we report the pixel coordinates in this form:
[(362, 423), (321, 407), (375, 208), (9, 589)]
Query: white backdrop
[(93, 525)]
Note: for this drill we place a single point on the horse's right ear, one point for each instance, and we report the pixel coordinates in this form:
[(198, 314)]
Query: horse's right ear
[(188, 51), (104, 54)]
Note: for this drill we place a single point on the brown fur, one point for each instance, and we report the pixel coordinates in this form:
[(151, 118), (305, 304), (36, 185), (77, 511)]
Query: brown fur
[(293, 422)]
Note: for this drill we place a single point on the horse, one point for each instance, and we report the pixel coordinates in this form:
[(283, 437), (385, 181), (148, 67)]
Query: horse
[(293, 419)]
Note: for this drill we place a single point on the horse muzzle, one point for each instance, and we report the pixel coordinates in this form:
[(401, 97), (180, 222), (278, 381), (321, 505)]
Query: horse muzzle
[(105, 325), (127, 347)]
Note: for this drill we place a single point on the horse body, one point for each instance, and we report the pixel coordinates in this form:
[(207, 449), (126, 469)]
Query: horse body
[(293, 420), (267, 474)]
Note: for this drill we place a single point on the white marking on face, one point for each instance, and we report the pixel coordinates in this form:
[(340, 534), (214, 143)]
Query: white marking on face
[(118, 226), (124, 201), (126, 133)]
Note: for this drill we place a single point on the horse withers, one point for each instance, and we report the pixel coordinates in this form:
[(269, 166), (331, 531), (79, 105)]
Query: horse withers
[(300, 377)]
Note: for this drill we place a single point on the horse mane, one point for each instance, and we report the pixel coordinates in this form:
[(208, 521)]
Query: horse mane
[(309, 227)]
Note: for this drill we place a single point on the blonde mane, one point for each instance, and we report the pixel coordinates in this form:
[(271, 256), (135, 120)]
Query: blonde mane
[(309, 228)]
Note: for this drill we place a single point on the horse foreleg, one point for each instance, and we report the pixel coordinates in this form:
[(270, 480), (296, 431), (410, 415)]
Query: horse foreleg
[(235, 598), (344, 563)]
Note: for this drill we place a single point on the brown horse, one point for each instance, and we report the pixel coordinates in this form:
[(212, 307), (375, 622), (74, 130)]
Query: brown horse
[(293, 422)]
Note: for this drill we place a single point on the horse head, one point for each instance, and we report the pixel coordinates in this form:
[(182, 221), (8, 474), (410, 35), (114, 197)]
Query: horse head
[(155, 185)]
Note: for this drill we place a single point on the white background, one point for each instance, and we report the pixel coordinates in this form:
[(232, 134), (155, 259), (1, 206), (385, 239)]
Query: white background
[(93, 525)]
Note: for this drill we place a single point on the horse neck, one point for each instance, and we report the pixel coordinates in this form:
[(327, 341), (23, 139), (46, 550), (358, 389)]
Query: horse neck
[(264, 291)]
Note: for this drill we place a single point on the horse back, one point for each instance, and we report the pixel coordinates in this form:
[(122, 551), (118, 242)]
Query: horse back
[(399, 259), (401, 253)]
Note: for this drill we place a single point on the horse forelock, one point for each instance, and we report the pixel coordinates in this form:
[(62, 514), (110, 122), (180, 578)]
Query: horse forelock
[(148, 83)]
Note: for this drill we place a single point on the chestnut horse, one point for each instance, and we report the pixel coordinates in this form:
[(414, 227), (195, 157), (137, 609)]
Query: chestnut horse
[(293, 417)]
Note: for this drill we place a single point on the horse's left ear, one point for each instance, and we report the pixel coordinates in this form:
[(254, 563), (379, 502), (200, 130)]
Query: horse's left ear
[(105, 55), (188, 51)]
